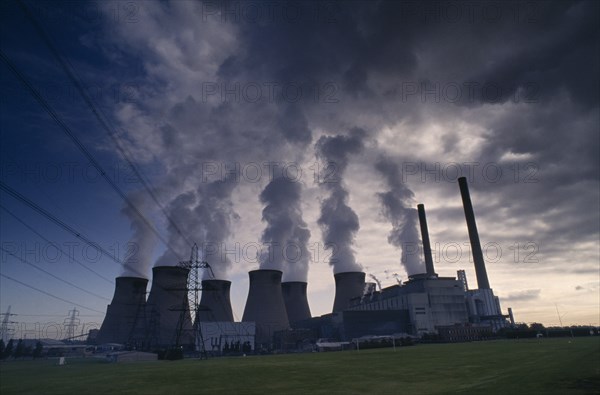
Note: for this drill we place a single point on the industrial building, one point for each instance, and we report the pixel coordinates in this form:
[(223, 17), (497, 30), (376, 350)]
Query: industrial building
[(424, 304)]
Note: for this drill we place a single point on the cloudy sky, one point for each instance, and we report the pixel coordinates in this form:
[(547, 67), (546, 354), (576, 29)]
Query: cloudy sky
[(299, 136)]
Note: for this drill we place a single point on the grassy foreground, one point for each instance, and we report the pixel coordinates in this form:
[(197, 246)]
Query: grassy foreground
[(548, 366)]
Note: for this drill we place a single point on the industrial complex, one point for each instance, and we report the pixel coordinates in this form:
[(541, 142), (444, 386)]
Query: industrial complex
[(277, 314)]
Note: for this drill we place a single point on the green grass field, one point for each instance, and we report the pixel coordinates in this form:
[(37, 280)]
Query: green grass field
[(548, 366)]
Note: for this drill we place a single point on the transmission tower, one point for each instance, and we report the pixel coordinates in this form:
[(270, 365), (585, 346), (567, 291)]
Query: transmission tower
[(71, 323), (194, 287), (4, 329)]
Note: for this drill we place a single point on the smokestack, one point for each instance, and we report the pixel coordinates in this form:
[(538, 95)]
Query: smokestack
[(215, 304), (426, 243), (296, 303), (482, 278), (124, 315), (348, 285), (265, 305), (511, 316), (168, 306)]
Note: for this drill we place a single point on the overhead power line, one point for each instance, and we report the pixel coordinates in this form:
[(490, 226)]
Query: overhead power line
[(54, 244), (66, 227), (40, 99), (49, 294), (52, 275), (102, 119), (71, 230)]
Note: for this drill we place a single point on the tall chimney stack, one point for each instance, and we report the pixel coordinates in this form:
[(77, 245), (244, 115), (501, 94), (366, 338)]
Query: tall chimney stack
[(296, 302), (348, 285), (124, 318), (265, 304), (482, 278), (426, 243), (511, 316)]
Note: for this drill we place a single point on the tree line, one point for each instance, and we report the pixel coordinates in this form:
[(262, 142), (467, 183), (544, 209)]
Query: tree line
[(9, 350)]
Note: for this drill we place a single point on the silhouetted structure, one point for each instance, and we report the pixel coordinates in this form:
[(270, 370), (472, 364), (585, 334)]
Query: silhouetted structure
[(124, 320), (426, 243), (480, 272), (348, 285), (295, 299), (215, 304), (265, 305), (168, 308)]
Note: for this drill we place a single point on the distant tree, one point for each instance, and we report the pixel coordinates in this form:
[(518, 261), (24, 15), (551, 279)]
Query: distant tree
[(8, 350), (536, 326), (37, 352), (20, 350), (522, 326), (2, 347)]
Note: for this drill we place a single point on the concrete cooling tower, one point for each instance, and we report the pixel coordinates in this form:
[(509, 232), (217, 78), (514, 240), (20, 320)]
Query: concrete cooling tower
[(348, 285), (265, 305), (124, 321), (296, 302), (167, 307), (215, 304)]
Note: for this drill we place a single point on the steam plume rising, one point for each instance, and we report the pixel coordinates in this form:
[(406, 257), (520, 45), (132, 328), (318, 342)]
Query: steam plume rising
[(338, 222), (215, 214), (286, 234), (207, 214), (137, 261), (396, 208)]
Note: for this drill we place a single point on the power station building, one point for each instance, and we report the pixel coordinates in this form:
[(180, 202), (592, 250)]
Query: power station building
[(425, 304)]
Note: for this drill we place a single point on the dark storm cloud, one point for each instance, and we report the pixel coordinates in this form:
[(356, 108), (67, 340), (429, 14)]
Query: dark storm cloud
[(528, 95), (559, 53)]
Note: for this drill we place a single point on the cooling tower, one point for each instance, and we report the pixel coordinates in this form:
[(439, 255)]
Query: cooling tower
[(426, 243), (348, 285), (215, 304), (124, 319), (169, 320), (480, 272), (296, 303), (265, 305)]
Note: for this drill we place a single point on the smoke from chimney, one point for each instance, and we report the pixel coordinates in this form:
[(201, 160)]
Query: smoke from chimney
[(396, 205), (207, 215), (143, 240), (286, 234), (338, 222)]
